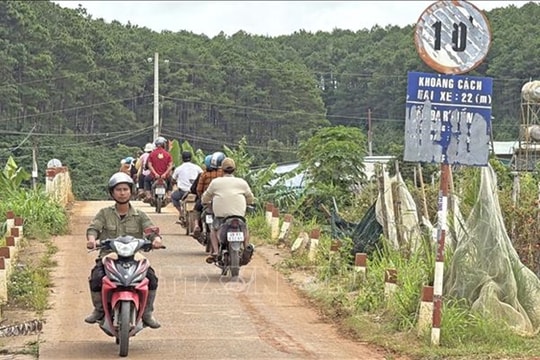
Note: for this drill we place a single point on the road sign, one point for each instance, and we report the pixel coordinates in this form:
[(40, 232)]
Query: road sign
[(452, 37), (448, 119)]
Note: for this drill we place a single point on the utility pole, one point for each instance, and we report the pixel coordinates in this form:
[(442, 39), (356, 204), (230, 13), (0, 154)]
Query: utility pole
[(156, 96), (370, 151), (34, 165)]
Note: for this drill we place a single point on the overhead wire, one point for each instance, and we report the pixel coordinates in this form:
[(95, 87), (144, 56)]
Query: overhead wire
[(25, 139), (5, 85), (260, 109), (176, 134), (255, 108), (108, 140), (313, 71), (71, 109), (9, 132)]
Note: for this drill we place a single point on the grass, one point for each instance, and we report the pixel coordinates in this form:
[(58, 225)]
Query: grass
[(28, 286), (363, 312)]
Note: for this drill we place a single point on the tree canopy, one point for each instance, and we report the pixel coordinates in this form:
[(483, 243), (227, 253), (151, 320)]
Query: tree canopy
[(70, 80)]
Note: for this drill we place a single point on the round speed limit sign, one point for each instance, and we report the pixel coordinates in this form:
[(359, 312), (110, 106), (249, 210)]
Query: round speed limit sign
[(452, 37)]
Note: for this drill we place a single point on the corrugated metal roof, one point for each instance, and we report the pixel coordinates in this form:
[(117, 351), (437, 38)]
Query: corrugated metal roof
[(298, 180)]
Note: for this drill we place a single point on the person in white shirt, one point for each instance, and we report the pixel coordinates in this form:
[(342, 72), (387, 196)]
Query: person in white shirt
[(183, 176)]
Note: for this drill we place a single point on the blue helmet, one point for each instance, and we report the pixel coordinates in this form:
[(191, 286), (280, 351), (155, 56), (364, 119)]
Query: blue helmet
[(207, 163), (217, 159)]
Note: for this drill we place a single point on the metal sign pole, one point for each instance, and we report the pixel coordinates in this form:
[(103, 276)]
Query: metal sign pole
[(439, 260), (452, 37)]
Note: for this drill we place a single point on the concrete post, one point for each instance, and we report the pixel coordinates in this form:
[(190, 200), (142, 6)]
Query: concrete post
[(275, 224), (284, 232), (426, 310), (313, 244), (390, 282)]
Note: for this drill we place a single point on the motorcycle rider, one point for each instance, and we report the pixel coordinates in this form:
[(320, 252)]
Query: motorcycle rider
[(230, 196), (213, 170), (160, 163), (142, 170), (118, 220), (184, 176)]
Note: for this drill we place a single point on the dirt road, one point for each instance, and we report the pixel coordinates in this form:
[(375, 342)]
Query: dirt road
[(203, 315)]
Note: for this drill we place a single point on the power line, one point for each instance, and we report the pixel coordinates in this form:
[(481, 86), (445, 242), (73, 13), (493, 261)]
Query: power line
[(7, 132), (71, 109), (243, 107), (109, 140), (175, 134), (314, 71), (260, 109), (68, 75)]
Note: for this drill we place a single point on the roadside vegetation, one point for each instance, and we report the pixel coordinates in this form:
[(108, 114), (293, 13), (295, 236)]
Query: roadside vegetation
[(30, 282), (357, 302)]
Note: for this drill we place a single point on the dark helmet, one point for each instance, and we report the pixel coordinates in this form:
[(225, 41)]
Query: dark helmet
[(119, 178), (217, 159), (186, 156)]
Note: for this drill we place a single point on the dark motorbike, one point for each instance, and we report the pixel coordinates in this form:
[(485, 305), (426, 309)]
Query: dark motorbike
[(207, 218), (124, 292), (231, 253), (187, 213), (159, 194)]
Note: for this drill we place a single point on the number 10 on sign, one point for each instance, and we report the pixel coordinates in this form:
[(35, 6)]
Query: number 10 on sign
[(452, 37)]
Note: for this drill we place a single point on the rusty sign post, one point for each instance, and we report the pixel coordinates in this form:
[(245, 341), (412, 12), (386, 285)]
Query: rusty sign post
[(448, 116)]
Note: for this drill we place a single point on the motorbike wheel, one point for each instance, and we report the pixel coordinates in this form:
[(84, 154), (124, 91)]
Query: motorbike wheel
[(189, 230), (159, 203), (234, 258), (207, 242), (123, 328)]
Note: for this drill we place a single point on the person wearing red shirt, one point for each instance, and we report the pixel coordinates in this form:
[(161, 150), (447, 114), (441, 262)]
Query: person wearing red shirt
[(160, 164)]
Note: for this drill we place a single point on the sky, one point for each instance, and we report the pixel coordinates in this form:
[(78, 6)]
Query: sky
[(268, 18)]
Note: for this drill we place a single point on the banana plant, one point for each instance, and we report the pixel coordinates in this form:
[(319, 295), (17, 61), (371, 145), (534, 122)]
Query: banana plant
[(12, 177)]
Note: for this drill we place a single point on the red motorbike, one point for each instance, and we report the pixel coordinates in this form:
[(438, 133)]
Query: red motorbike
[(125, 288)]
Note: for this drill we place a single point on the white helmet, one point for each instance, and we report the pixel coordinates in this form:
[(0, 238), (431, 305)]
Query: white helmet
[(160, 141), (119, 178), (149, 147)]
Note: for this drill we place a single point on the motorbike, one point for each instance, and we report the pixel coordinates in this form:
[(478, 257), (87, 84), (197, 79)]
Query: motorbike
[(231, 252), (207, 218), (187, 212), (159, 191), (124, 292)]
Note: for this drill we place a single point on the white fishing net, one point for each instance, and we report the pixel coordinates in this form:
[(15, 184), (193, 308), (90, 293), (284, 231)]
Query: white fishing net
[(485, 268), (403, 226)]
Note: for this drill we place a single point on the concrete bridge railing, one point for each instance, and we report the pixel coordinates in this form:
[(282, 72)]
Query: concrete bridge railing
[(58, 184)]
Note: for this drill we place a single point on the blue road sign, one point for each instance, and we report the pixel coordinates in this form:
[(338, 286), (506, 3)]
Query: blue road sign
[(448, 119)]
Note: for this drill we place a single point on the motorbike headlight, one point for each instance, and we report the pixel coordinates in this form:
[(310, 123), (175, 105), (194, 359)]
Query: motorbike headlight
[(125, 250)]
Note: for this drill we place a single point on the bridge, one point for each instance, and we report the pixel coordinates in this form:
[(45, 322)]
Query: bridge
[(203, 315)]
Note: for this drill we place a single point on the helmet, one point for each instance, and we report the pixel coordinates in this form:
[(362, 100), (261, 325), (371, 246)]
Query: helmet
[(149, 147), (160, 141), (186, 156), (217, 159), (228, 164), (207, 161), (119, 178)]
